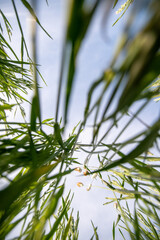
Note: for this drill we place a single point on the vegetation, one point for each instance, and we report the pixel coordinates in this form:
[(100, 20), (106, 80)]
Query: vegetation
[(34, 164)]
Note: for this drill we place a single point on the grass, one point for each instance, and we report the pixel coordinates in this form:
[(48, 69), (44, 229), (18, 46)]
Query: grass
[(34, 164)]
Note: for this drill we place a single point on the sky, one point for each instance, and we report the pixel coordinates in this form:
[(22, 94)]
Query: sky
[(94, 57)]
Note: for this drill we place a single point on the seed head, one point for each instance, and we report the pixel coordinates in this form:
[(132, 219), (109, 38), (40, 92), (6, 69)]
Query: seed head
[(80, 184)]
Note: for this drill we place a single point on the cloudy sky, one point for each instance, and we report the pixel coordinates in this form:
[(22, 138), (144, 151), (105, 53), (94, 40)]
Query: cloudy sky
[(94, 57)]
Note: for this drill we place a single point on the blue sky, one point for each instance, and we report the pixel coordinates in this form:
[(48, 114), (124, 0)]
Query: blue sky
[(94, 57)]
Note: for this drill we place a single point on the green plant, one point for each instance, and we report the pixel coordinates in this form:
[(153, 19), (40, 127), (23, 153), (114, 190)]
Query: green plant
[(128, 82), (33, 162)]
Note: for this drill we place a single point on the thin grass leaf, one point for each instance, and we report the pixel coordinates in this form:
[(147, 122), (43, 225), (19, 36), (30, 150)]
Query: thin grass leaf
[(58, 135), (34, 113), (56, 224), (136, 225), (156, 235), (150, 159), (118, 219), (66, 231), (30, 9), (113, 231), (78, 23), (95, 231), (54, 199), (115, 3), (143, 146), (121, 233), (7, 25)]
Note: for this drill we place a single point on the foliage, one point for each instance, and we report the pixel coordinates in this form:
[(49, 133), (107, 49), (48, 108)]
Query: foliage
[(33, 163), (126, 82)]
